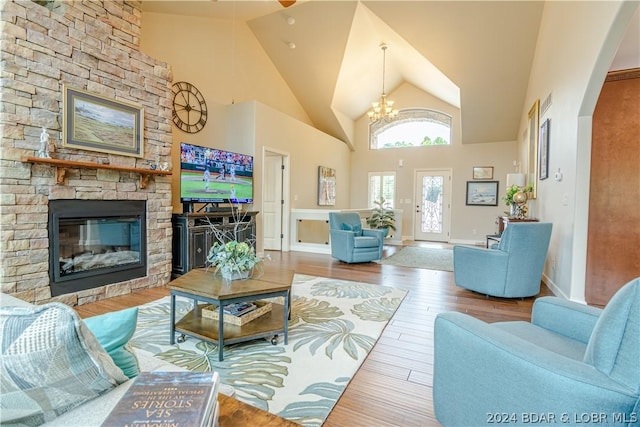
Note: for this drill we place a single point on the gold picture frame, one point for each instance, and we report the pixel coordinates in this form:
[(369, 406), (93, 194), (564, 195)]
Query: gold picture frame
[(93, 122), (532, 147)]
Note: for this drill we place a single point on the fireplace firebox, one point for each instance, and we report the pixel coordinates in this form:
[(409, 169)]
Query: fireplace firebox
[(95, 243)]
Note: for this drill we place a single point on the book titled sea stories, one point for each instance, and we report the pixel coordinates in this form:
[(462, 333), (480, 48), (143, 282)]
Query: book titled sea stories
[(168, 399)]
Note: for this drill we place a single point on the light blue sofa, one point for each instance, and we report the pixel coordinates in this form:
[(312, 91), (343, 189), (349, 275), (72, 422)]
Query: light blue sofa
[(513, 270), (572, 365), (71, 351), (350, 242)]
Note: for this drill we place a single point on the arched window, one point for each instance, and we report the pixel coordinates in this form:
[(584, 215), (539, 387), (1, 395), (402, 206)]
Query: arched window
[(413, 127)]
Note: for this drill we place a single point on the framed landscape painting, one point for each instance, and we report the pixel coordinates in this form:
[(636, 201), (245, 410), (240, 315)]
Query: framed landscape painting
[(92, 122), (482, 193)]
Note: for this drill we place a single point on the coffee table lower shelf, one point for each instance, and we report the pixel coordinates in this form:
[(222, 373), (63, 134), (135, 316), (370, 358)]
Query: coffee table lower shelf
[(204, 328)]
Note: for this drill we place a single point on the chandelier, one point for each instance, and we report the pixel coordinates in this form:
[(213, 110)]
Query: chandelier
[(382, 109)]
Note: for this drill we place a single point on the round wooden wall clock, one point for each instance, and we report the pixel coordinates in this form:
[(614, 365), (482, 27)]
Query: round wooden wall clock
[(189, 107)]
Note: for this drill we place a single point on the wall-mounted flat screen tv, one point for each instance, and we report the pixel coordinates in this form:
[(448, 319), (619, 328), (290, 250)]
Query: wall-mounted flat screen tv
[(210, 175)]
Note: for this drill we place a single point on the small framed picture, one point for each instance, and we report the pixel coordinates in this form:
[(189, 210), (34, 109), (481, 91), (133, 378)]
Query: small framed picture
[(483, 172), (483, 193)]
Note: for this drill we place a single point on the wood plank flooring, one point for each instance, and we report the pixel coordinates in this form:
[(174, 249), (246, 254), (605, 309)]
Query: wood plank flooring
[(393, 385)]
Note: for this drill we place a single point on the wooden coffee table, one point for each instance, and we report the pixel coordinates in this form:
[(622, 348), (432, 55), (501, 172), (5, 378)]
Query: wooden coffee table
[(204, 286)]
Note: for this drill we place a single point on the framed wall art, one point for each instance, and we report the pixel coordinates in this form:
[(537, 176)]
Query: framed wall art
[(543, 152), (482, 193), (326, 186), (483, 172), (92, 122)]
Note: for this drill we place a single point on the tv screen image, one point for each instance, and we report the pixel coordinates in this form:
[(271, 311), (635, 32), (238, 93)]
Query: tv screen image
[(210, 175)]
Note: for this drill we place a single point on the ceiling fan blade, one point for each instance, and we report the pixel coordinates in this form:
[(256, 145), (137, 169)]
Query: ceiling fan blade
[(286, 3)]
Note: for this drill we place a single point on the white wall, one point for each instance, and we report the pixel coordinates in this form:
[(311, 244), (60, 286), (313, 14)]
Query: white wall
[(576, 44), (461, 158)]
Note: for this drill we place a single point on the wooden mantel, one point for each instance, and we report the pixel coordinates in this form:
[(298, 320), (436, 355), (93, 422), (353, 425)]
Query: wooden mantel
[(62, 166)]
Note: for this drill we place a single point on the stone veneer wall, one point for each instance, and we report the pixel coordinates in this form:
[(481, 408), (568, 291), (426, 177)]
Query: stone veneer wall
[(91, 46)]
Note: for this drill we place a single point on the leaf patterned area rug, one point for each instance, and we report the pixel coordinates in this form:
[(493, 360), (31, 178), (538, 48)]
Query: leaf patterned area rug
[(334, 325)]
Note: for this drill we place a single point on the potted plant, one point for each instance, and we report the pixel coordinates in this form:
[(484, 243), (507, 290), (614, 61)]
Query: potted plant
[(382, 217), (234, 260)]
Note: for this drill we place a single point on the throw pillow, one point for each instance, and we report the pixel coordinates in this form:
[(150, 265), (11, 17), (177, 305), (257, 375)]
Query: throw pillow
[(51, 363), (356, 228), (113, 331)]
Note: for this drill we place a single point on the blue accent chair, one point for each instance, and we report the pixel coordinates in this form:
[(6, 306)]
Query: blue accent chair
[(572, 362), (350, 242), (513, 270)]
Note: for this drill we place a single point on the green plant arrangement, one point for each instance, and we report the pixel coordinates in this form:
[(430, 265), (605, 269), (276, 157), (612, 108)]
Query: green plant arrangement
[(381, 216), (233, 259), (236, 258)]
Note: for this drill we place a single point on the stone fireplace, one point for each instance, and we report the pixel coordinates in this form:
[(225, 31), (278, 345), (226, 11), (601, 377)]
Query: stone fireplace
[(92, 46)]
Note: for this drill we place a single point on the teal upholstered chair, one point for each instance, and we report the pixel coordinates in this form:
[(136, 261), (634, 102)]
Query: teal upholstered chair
[(350, 242), (513, 270), (569, 362)]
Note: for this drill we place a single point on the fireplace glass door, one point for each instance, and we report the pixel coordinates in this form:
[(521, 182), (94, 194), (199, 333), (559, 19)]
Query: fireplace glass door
[(94, 243)]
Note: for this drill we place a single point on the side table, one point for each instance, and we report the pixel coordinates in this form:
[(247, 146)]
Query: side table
[(503, 221), (493, 237)]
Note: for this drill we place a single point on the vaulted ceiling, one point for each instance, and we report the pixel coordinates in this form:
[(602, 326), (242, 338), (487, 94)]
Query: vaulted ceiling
[(475, 55)]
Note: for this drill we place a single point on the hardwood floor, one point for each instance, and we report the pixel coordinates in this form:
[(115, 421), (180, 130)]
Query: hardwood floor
[(393, 385)]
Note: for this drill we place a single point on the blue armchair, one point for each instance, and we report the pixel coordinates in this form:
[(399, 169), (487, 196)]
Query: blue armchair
[(350, 242), (572, 362), (513, 270)]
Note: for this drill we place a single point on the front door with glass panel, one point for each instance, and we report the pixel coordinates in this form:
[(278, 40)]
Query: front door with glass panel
[(433, 205)]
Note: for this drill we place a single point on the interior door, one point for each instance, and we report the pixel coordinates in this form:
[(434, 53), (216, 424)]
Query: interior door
[(433, 205), (272, 202)]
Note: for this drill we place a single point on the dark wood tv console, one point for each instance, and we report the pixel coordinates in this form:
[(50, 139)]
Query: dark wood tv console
[(193, 235)]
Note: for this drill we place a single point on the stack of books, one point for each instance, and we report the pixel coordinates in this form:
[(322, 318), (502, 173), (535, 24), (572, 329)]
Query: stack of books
[(238, 314), (179, 399), (239, 309)]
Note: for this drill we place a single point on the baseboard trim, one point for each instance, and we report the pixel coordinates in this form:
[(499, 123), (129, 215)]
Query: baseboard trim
[(468, 242), (555, 289), (310, 247)]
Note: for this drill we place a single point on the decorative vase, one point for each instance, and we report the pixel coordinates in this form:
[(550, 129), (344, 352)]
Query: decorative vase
[(513, 210), (236, 275)]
